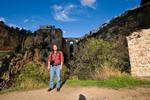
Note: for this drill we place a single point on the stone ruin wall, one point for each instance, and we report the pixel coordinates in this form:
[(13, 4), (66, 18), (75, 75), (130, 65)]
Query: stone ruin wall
[(139, 52)]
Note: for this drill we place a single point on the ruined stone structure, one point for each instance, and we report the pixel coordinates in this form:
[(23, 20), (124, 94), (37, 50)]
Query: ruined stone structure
[(139, 52)]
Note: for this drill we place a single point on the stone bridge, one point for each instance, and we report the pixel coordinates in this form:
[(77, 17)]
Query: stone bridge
[(71, 46)]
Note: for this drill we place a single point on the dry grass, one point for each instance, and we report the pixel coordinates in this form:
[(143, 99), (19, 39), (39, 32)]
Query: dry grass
[(102, 73)]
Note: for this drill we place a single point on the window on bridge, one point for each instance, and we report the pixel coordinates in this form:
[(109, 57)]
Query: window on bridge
[(71, 49)]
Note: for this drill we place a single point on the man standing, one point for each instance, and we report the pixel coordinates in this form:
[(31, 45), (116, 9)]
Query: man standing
[(55, 64)]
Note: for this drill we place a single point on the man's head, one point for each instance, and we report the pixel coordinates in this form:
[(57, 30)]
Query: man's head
[(55, 48)]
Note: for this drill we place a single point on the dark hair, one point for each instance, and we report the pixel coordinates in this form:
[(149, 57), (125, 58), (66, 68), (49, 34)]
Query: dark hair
[(53, 45)]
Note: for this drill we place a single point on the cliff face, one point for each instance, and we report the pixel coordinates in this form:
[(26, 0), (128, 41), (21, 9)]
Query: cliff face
[(120, 27), (20, 39), (50, 35), (8, 40)]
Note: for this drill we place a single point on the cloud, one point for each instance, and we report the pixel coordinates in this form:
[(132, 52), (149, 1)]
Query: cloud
[(88, 3), (26, 20), (64, 31), (62, 13), (2, 19), (14, 25)]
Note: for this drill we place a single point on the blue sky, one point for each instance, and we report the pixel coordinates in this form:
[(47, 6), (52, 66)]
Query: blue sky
[(74, 17)]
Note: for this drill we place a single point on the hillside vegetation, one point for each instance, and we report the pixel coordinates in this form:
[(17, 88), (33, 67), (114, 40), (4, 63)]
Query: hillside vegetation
[(100, 59)]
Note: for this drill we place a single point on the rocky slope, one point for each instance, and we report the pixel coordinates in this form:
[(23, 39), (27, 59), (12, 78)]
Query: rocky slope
[(120, 27)]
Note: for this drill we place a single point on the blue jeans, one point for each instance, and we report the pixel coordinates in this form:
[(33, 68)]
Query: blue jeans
[(54, 70)]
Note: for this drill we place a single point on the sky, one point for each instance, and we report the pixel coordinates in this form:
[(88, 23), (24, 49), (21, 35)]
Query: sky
[(75, 17)]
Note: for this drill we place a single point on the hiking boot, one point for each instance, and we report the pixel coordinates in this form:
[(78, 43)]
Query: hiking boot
[(49, 89), (58, 89)]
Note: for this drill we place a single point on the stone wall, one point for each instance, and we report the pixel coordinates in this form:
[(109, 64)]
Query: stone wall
[(139, 52)]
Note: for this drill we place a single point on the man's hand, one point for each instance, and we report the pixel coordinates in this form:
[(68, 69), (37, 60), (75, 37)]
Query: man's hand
[(61, 66), (48, 68)]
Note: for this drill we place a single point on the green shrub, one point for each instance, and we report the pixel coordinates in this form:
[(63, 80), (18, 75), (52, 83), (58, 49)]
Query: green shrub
[(96, 53), (31, 76)]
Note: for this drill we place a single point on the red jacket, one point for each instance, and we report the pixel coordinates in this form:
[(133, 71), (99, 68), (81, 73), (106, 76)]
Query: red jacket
[(56, 57)]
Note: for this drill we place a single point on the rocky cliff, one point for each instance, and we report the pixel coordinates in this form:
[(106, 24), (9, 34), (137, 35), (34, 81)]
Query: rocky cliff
[(120, 27)]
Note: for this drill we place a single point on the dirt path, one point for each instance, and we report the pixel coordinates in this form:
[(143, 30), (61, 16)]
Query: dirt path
[(84, 93)]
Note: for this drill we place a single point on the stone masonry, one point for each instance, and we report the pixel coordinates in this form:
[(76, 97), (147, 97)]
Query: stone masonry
[(139, 52)]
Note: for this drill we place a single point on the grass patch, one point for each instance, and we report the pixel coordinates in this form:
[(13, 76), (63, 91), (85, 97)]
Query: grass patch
[(114, 82)]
